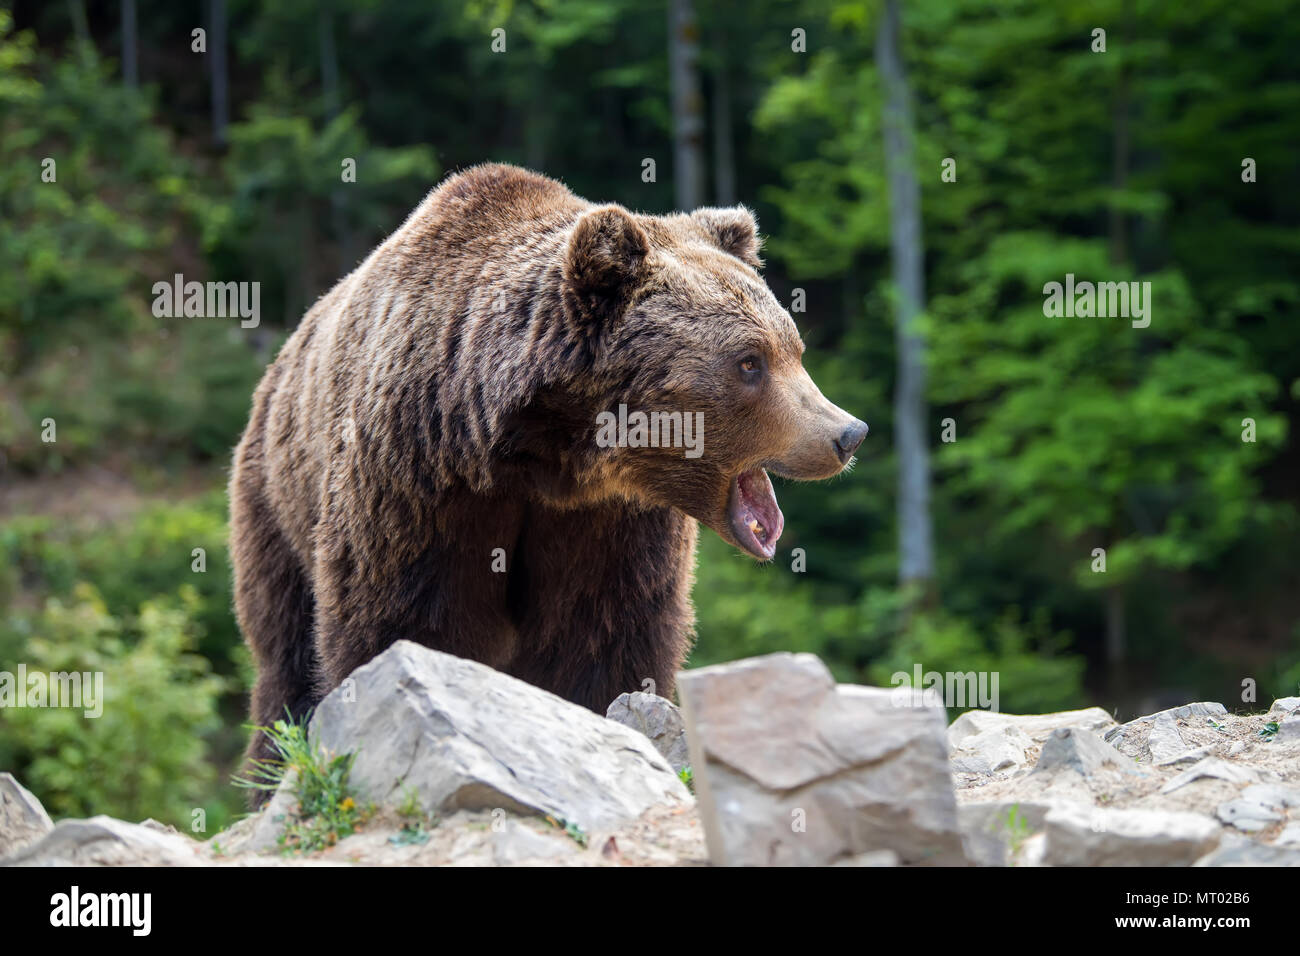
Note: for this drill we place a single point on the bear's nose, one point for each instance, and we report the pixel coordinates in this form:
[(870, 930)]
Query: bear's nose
[(849, 441)]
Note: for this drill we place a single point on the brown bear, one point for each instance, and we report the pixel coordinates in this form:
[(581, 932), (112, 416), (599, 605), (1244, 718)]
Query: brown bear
[(433, 455)]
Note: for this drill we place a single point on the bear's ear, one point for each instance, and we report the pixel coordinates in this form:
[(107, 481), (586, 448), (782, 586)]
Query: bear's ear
[(735, 230), (604, 260)]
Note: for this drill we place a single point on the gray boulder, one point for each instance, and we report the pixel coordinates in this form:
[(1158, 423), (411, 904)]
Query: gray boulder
[(103, 841), (1079, 750), (791, 769), (464, 736), (1038, 727), (1077, 835), (659, 719), (1201, 709)]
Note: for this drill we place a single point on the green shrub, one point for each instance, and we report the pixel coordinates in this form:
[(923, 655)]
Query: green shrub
[(145, 755)]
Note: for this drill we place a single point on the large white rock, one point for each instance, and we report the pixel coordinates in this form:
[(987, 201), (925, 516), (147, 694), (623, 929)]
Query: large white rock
[(104, 841), (1284, 705), (1200, 709), (792, 770), (1088, 836), (1036, 726), (464, 736), (22, 818)]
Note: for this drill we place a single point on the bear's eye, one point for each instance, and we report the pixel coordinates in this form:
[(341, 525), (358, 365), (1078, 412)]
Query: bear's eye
[(751, 368)]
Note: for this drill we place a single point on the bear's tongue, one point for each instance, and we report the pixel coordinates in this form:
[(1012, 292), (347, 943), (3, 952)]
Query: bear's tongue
[(756, 520)]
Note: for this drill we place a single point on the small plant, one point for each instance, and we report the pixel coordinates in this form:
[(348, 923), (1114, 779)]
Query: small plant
[(410, 805), (412, 834), (575, 832), (1269, 730), (1016, 828), (327, 810), (687, 777)]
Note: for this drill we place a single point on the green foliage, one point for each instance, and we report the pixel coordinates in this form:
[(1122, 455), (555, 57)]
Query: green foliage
[(145, 754), (124, 582), (130, 563), (77, 341), (1016, 828), (327, 809), (66, 258), (287, 198), (572, 830), (1070, 433)]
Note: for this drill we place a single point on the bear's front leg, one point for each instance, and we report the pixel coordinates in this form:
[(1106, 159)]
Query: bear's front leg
[(440, 584), (601, 599)]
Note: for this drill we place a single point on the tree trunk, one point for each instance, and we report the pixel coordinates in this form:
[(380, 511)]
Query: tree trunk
[(130, 46), (916, 547), (80, 25), (687, 104), (724, 158), (1116, 629), (218, 75)]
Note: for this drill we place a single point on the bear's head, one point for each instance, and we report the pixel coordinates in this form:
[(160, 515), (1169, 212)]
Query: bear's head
[(686, 336)]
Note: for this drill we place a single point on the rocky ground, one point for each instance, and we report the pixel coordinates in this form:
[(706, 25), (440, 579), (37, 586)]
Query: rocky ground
[(457, 764)]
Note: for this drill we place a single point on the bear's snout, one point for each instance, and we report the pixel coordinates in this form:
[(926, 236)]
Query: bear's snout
[(849, 440)]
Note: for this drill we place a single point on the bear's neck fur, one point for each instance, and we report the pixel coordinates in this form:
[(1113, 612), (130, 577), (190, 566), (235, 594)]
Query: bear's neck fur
[(499, 382)]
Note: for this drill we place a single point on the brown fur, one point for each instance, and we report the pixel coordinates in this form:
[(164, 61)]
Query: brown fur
[(440, 402)]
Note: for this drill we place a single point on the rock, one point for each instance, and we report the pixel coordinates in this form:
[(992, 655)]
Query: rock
[(1236, 747), (1274, 795), (466, 736), (516, 843), (1249, 853), (1259, 806), (153, 824), (874, 858), (1036, 726), (992, 750), (22, 818), (996, 829), (1248, 815), (269, 822), (1164, 741), (1290, 835), (1079, 750), (1288, 731), (792, 770), (1193, 756), (657, 718), (1088, 836), (1203, 709), (1284, 705), (1220, 770), (103, 841), (1033, 852)]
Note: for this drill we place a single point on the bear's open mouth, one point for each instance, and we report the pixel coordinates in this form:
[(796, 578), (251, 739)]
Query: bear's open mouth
[(756, 520)]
